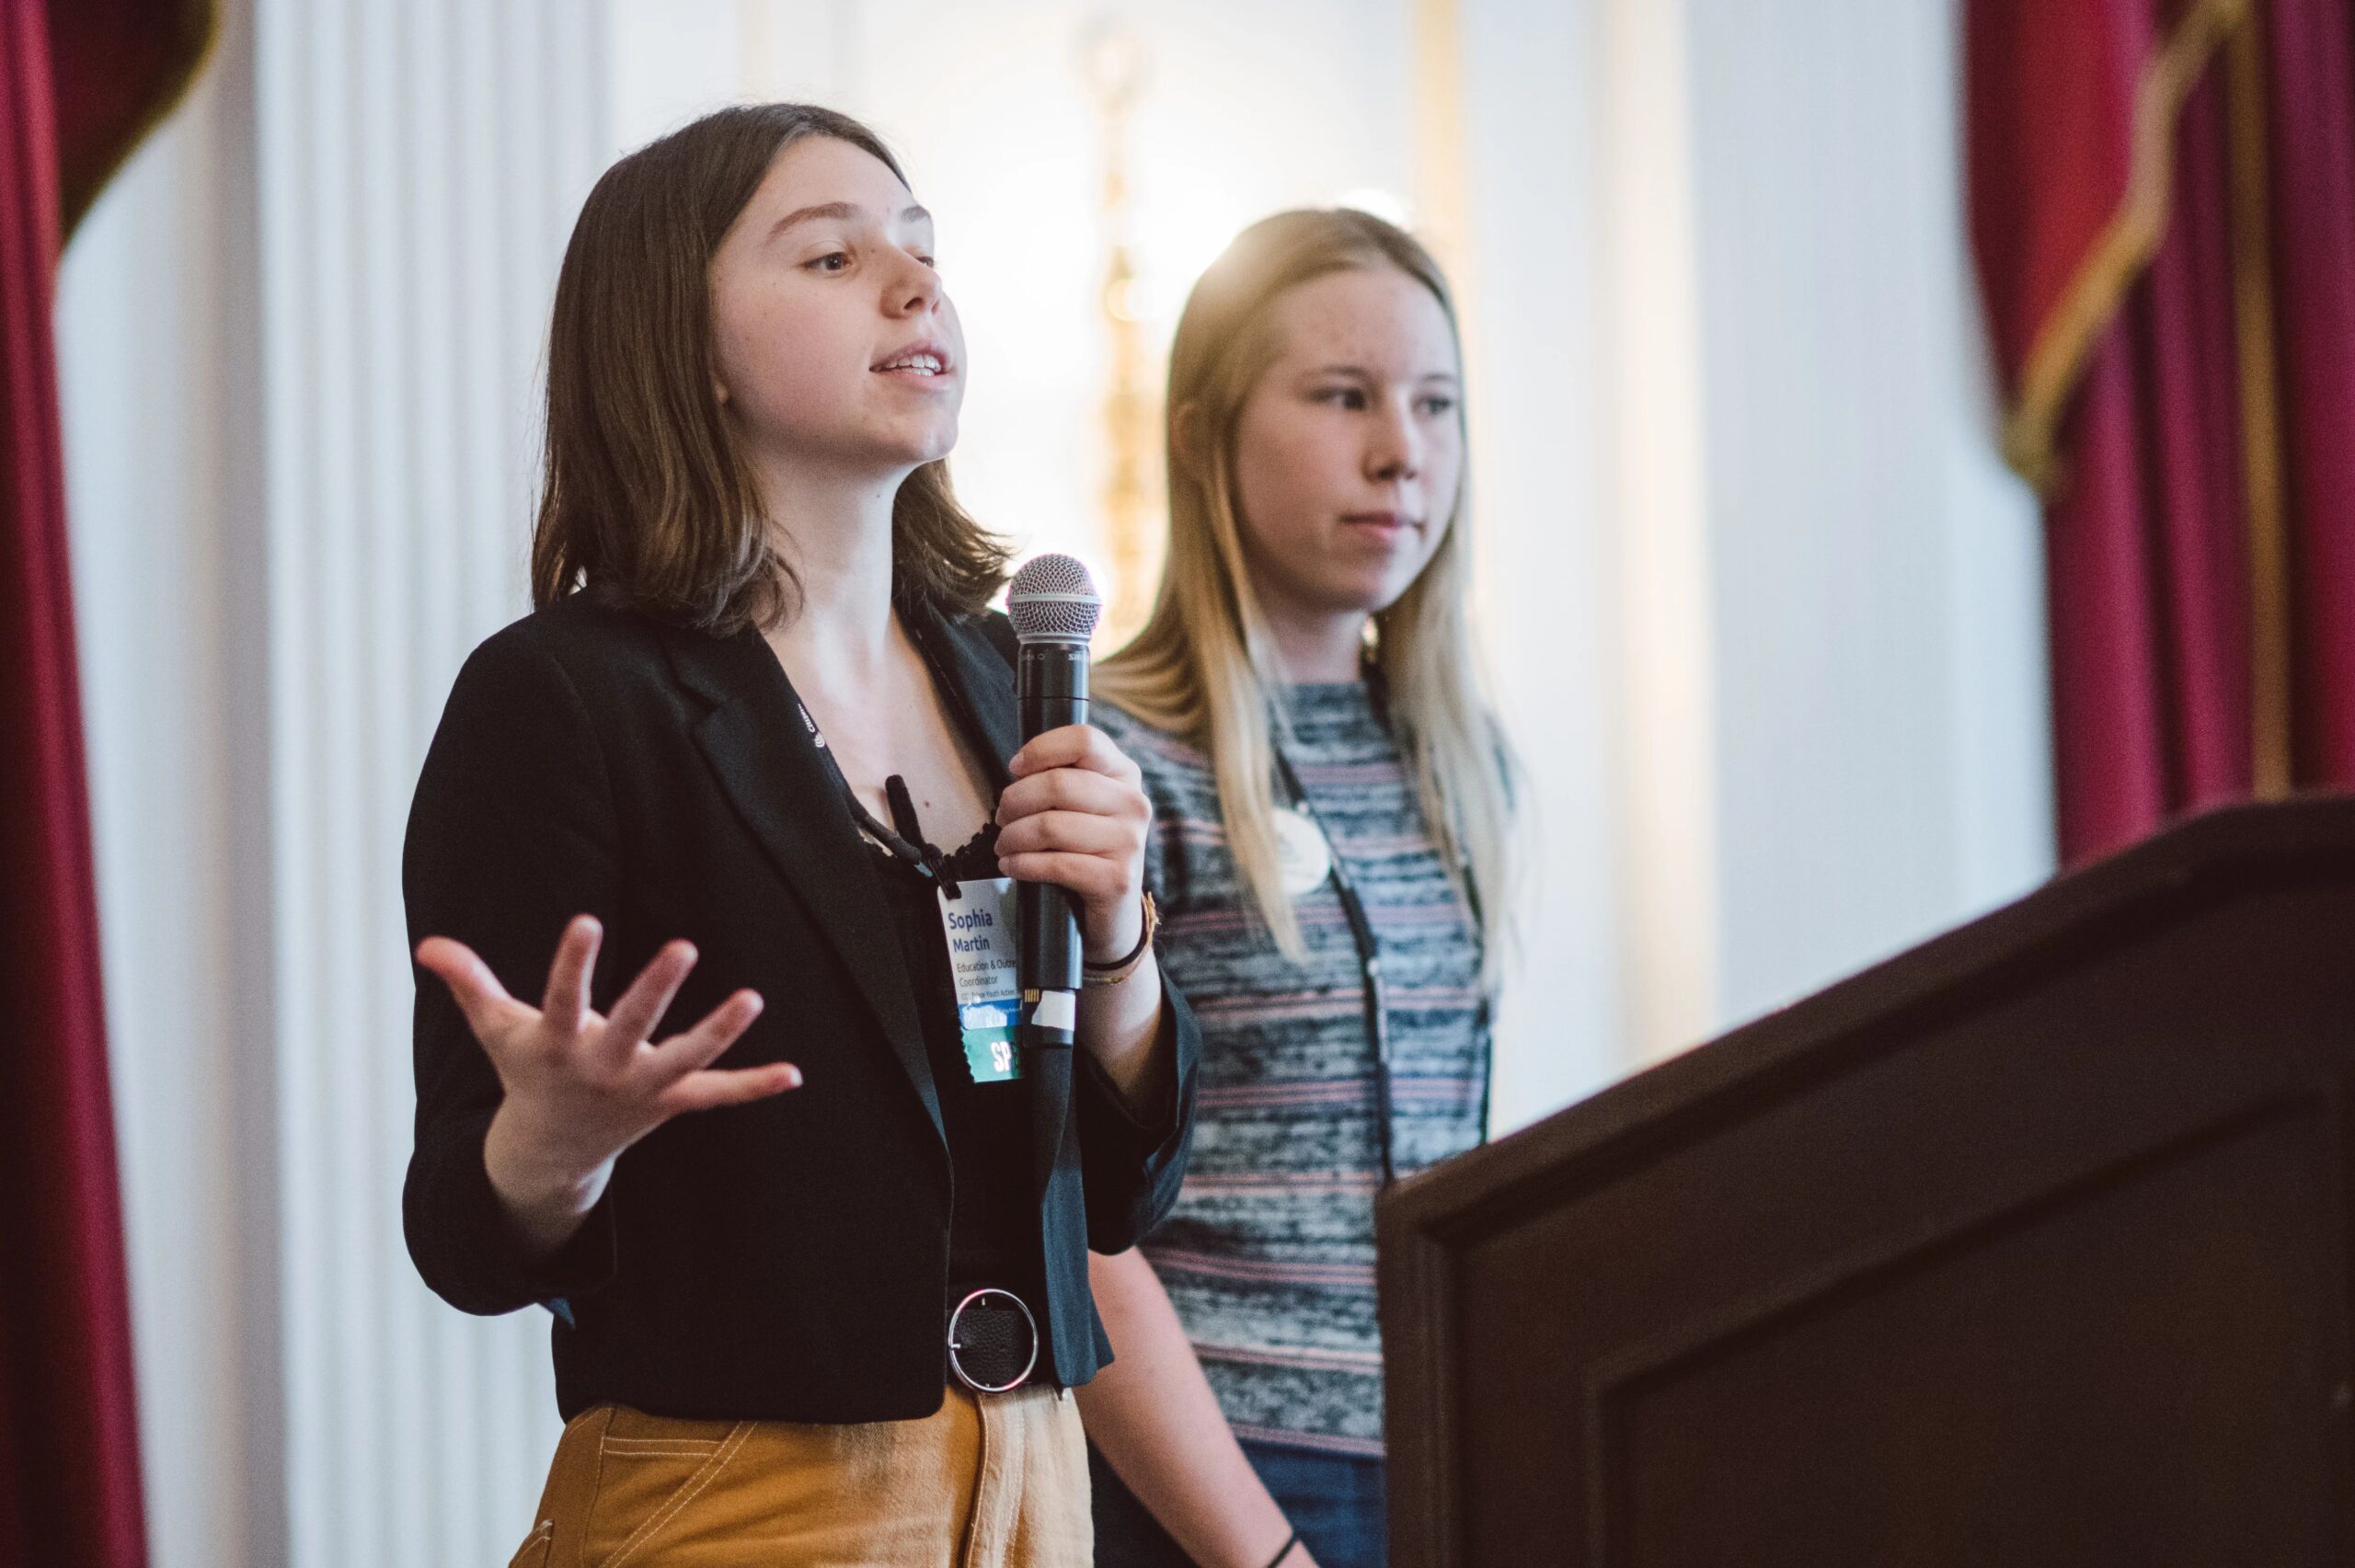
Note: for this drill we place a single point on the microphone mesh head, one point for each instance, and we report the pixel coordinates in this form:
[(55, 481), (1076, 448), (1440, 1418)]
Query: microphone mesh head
[(1053, 600)]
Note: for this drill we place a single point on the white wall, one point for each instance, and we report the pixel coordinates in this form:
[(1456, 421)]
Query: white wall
[(1766, 606), (1534, 281), (1880, 747)]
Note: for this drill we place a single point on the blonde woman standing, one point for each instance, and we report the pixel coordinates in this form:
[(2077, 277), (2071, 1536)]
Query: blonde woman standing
[(1329, 853)]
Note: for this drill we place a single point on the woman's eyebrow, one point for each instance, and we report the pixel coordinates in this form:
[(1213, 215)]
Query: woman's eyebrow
[(1360, 372), (843, 210)]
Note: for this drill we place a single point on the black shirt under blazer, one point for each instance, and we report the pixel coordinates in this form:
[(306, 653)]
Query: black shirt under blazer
[(785, 1260)]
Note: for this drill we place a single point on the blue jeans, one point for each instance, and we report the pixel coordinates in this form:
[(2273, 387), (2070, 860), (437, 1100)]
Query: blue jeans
[(1335, 1501)]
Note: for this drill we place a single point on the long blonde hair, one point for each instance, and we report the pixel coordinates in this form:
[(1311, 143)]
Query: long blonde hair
[(1204, 665)]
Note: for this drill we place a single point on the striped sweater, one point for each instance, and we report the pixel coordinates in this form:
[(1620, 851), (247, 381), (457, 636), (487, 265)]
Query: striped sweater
[(1269, 1256)]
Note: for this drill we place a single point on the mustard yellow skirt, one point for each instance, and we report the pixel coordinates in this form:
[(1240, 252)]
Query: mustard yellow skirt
[(990, 1481)]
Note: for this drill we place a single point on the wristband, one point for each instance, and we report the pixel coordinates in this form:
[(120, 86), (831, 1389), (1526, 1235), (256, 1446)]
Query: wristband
[(1284, 1551), (1119, 969)]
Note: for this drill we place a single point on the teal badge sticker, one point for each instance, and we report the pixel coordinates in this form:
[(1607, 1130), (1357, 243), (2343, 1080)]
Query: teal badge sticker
[(989, 1041)]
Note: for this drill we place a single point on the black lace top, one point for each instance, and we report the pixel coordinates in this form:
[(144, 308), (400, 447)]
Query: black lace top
[(993, 1223)]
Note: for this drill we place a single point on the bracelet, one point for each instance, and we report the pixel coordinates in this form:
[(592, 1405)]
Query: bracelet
[(1112, 974), (1284, 1551)]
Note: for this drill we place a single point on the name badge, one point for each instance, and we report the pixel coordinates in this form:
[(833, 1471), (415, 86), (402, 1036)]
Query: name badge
[(980, 926)]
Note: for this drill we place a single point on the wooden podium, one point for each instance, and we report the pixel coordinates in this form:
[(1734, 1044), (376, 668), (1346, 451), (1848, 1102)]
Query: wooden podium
[(2028, 1247)]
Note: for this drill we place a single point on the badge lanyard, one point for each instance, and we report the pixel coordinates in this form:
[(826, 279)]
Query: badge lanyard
[(978, 934), (1377, 1009), (912, 848)]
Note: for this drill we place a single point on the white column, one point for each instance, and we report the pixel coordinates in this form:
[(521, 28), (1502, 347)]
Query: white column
[(300, 343), (420, 162)]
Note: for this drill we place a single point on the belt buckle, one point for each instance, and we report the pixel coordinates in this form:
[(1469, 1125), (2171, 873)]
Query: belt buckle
[(989, 1329)]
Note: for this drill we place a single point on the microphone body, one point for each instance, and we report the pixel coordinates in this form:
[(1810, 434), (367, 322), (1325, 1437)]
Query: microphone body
[(1051, 683), (1052, 605)]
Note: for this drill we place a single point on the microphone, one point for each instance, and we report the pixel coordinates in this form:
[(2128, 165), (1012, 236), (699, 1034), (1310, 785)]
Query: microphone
[(1053, 606)]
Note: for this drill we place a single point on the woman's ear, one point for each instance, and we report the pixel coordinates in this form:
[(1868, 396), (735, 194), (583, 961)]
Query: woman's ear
[(720, 391)]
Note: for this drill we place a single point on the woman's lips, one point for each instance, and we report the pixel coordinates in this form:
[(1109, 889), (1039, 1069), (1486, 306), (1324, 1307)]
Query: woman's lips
[(924, 361)]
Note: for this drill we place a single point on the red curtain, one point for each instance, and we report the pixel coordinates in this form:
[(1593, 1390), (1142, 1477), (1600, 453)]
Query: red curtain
[(2163, 210), (118, 66), (72, 100)]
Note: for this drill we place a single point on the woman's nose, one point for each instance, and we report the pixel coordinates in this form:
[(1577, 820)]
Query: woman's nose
[(1397, 452), (917, 290)]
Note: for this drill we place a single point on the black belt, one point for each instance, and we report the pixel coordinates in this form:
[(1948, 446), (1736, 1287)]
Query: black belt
[(992, 1340)]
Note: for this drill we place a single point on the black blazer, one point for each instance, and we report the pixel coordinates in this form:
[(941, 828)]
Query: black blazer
[(785, 1260)]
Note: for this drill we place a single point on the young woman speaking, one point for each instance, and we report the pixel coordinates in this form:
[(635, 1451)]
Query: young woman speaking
[(692, 809)]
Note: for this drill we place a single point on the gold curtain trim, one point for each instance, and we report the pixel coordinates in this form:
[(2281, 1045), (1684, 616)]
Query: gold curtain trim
[(2269, 550), (2063, 344)]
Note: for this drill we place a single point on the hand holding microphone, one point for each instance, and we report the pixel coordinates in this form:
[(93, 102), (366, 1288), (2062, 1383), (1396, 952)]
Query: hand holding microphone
[(1076, 816)]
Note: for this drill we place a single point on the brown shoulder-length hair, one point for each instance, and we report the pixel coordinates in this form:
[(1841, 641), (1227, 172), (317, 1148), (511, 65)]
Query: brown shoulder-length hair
[(648, 494)]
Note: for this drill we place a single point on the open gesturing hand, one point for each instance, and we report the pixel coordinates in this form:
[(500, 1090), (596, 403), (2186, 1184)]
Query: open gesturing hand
[(580, 1087)]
